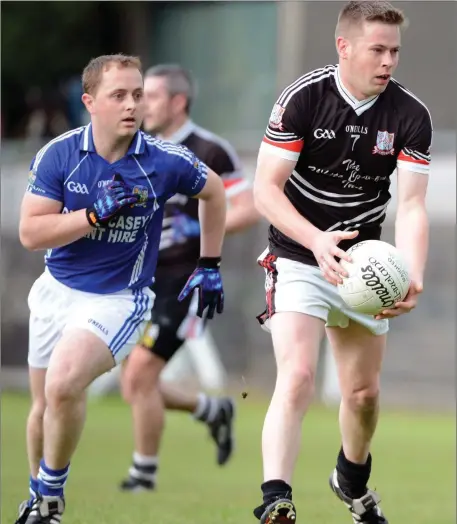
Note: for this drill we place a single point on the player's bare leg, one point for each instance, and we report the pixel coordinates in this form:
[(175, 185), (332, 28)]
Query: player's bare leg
[(78, 358), (176, 398), (149, 398), (37, 379), (296, 340), (142, 378), (140, 388), (34, 432), (358, 355), (217, 413)]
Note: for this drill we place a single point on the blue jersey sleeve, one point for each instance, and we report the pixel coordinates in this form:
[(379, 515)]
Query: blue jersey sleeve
[(46, 175), (191, 173)]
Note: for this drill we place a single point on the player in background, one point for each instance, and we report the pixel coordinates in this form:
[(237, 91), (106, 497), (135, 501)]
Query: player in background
[(169, 94), (334, 138), (95, 201)]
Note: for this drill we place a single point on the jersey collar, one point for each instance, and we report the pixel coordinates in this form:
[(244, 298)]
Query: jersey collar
[(86, 142), (359, 106), (180, 134)]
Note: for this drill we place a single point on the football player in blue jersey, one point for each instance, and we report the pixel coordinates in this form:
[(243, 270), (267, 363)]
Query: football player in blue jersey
[(95, 202)]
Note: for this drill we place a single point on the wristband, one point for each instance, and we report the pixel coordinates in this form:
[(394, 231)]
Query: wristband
[(209, 262), (92, 217)]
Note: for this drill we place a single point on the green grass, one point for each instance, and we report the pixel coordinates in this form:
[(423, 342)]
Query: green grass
[(413, 469)]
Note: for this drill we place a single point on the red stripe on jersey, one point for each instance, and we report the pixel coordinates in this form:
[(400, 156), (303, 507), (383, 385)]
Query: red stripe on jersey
[(407, 158), (293, 145)]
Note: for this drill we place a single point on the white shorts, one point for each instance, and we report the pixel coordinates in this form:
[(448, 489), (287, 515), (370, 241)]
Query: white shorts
[(293, 286), (117, 318)]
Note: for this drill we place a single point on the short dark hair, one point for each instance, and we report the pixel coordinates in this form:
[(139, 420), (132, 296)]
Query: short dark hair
[(93, 71), (358, 11), (179, 81)]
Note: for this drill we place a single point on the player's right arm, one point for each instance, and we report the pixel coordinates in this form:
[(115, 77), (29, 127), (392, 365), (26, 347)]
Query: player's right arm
[(42, 226), (278, 155), (271, 175)]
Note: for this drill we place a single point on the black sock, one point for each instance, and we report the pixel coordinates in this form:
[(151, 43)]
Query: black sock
[(274, 489), (353, 478)]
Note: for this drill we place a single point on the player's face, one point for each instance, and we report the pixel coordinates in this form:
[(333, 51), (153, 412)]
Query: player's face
[(118, 104), (159, 113), (373, 54)]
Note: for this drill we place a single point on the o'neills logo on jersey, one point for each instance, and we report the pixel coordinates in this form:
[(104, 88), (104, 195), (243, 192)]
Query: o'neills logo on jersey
[(384, 143), (363, 130)]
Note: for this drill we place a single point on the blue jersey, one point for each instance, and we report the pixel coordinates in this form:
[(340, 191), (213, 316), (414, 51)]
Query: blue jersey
[(123, 253)]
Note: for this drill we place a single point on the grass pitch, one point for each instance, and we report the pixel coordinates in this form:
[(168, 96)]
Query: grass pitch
[(413, 469)]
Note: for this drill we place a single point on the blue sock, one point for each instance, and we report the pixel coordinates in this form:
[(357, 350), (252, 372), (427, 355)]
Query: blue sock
[(52, 481), (33, 489)]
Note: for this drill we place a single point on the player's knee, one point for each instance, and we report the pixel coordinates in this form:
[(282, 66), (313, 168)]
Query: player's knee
[(364, 398), (135, 385), (62, 389), (141, 377), (37, 410), (298, 384), (127, 382)]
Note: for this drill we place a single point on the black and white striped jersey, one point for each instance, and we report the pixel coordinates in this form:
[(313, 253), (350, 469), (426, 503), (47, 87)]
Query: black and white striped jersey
[(180, 238), (346, 151)]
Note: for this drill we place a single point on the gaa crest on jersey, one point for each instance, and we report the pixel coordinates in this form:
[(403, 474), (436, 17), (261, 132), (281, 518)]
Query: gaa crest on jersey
[(384, 143), (142, 193), (31, 182), (276, 116)]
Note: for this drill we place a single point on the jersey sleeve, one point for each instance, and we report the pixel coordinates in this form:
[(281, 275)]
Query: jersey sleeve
[(45, 177), (415, 155), (288, 124), (225, 162), (190, 172)]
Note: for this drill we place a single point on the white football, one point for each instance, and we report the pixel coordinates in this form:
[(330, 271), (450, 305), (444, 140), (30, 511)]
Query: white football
[(378, 277)]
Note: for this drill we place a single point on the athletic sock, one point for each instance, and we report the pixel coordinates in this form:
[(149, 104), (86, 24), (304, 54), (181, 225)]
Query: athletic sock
[(51, 482), (33, 489), (353, 478), (207, 408), (144, 467), (274, 489)]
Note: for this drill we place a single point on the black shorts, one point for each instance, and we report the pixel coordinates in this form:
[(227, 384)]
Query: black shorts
[(164, 334)]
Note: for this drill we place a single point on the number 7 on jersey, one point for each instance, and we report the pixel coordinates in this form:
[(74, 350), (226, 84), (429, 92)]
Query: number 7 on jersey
[(355, 137)]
